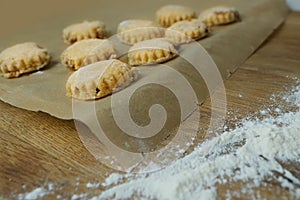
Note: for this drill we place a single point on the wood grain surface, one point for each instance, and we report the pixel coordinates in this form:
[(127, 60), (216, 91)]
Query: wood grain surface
[(37, 149)]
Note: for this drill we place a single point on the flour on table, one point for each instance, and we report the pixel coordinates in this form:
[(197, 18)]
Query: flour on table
[(79, 196), (34, 194), (250, 154), (92, 185)]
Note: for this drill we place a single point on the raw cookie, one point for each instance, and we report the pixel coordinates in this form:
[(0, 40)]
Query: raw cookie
[(219, 15), (86, 52), (151, 52), (133, 31), (170, 14), (186, 31), (22, 58), (100, 79), (84, 30)]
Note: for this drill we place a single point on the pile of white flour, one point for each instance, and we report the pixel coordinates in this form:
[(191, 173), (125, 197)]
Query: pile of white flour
[(252, 153), (248, 154)]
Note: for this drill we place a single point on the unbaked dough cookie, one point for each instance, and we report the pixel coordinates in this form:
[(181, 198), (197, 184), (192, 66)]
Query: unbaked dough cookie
[(170, 14), (186, 31), (133, 31), (84, 30), (151, 52), (22, 58), (219, 15), (87, 52), (100, 79)]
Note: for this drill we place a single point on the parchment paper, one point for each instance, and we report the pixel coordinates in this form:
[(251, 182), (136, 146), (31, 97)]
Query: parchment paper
[(229, 46)]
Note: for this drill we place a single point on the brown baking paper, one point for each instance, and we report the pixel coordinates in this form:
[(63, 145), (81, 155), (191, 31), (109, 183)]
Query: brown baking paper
[(229, 46)]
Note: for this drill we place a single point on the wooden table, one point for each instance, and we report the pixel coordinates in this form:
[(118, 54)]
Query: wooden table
[(37, 149)]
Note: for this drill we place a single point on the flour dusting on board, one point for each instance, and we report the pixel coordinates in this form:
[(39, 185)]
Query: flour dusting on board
[(250, 153), (37, 193)]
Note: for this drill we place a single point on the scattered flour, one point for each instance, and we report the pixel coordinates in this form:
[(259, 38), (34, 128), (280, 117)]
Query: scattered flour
[(92, 185), (34, 194), (79, 196), (250, 153), (113, 179)]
